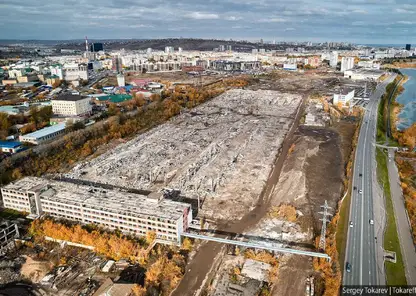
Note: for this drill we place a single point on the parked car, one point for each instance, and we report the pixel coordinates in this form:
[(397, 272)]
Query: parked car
[(371, 222), (348, 267), (351, 225), (360, 191)]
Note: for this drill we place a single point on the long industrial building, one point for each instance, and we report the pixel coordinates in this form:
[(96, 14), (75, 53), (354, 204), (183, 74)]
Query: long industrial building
[(114, 209)]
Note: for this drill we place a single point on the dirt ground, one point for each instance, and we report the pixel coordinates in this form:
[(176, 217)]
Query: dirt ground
[(35, 270), (312, 173), (293, 271)]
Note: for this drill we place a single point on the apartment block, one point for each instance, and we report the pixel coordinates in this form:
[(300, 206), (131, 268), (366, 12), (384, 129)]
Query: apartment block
[(131, 213)]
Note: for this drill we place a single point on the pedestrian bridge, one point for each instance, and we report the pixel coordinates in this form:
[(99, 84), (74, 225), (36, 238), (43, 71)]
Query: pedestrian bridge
[(255, 245)]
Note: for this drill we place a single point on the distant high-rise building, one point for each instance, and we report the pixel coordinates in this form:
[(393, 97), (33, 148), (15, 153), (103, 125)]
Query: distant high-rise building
[(149, 51), (347, 63), (229, 48), (221, 48), (169, 49), (96, 47), (180, 50), (117, 64), (333, 59), (120, 80), (408, 46), (254, 51)]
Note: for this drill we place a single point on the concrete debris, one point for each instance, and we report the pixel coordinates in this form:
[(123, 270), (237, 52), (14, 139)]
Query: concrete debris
[(221, 151), (256, 270)]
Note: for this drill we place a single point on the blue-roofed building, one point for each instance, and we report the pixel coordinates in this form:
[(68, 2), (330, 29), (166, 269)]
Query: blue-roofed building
[(10, 147), (44, 135)]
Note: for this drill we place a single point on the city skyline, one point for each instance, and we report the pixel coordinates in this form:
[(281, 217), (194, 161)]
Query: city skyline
[(358, 21)]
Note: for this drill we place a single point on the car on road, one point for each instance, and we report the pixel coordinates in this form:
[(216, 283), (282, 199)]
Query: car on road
[(371, 222), (360, 191), (355, 187), (360, 175), (351, 225), (348, 267)]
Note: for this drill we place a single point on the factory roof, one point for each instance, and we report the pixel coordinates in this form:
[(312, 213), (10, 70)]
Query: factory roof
[(69, 97), (46, 131), (8, 144), (26, 184), (108, 200)]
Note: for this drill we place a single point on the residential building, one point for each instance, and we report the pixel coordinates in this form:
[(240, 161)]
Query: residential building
[(75, 71), (347, 63), (10, 147), (71, 105), (169, 49), (117, 64), (343, 97), (44, 135), (333, 59), (120, 80), (56, 70), (130, 213)]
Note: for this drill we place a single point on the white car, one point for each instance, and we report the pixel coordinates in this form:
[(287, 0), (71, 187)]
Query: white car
[(360, 191), (371, 222), (351, 225)]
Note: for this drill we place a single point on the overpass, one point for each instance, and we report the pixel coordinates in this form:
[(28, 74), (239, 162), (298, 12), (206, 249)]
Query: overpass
[(255, 245)]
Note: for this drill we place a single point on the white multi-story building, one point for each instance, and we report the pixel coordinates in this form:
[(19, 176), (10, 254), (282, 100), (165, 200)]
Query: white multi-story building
[(75, 72), (347, 63), (71, 105), (343, 97), (56, 70), (333, 59), (130, 213), (169, 49)]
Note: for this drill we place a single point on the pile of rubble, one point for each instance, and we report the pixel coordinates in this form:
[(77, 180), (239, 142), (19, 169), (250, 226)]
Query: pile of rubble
[(221, 151)]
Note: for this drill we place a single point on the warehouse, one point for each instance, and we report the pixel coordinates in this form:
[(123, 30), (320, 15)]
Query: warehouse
[(114, 209), (44, 135)]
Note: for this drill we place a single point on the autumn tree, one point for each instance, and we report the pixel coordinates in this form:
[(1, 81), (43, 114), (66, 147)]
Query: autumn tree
[(138, 290)]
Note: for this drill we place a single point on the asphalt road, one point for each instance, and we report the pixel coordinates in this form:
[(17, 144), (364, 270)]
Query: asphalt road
[(402, 222), (362, 244)]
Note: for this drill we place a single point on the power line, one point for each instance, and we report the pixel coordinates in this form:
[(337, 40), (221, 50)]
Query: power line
[(324, 221)]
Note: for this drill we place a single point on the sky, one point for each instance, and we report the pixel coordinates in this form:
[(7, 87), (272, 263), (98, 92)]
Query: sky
[(357, 21)]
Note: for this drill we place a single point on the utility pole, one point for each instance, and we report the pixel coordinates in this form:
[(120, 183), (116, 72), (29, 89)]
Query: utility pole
[(324, 221)]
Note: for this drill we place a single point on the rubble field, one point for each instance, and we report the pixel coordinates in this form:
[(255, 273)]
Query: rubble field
[(221, 151)]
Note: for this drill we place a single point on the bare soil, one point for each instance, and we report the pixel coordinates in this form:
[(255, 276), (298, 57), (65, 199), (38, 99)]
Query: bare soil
[(35, 270)]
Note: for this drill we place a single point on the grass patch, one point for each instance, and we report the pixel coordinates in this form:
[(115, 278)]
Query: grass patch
[(395, 274), (342, 228)]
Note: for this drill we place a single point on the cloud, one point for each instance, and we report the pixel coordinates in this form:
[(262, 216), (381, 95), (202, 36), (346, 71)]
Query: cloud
[(196, 15), (232, 18), (329, 20), (271, 20), (406, 22)]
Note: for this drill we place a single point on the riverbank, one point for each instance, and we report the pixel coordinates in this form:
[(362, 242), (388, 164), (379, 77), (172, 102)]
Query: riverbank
[(405, 113), (395, 107)]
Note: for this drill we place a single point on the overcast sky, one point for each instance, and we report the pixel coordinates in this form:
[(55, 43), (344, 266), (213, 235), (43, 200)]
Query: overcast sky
[(360, 21)]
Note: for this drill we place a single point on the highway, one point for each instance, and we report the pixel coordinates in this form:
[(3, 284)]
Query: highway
[(363, 248)]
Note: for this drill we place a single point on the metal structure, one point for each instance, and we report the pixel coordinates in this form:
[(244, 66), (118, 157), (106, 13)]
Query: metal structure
[(324, 221), (7, 235), (255, 245)]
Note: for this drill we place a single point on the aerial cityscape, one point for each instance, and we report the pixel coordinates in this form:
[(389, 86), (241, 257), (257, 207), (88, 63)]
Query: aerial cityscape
[(242, 148)]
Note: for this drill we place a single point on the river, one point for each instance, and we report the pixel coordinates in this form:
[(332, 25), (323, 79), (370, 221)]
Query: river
[(407, 116)]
